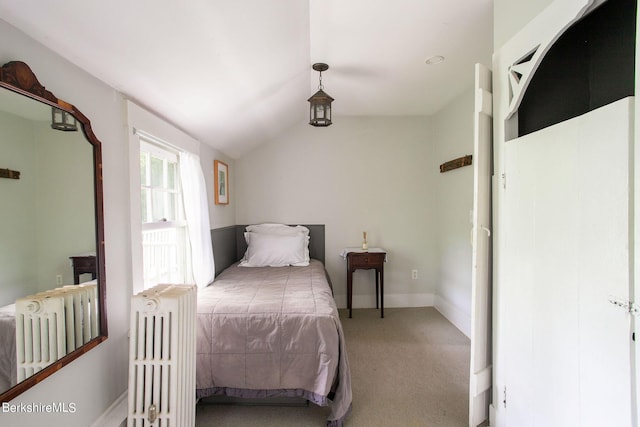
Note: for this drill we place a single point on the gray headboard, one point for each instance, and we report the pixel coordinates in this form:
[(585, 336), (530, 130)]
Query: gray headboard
[(229, 245)]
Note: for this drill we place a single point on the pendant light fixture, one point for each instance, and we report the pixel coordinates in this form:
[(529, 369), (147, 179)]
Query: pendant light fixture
[(320, 102), (61, 120)]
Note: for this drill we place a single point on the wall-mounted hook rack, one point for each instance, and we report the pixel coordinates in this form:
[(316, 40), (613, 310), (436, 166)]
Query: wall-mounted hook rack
[(456, 163), (8, 173)]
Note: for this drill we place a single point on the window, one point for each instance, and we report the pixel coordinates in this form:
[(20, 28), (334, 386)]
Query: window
[(165, 248)]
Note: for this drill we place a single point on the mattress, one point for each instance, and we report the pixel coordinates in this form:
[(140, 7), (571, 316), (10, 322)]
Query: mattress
[(273, 331)]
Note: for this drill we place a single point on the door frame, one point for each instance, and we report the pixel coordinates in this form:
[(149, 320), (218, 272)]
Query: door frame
[(480, 354)]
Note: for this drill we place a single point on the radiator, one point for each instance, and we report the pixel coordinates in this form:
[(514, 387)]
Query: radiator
[(51, 324), (162, 357), (81, 314)]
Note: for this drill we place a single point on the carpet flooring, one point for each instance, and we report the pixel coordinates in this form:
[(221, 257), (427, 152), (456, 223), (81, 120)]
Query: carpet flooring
[(409, 369)]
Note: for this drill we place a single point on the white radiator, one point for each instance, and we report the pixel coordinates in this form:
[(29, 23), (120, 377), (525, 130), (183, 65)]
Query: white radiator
[(51, 324), (81, 314), (162, 357)]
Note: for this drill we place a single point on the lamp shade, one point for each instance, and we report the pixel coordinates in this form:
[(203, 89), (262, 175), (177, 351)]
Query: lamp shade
[(61, 120), (320, 109)]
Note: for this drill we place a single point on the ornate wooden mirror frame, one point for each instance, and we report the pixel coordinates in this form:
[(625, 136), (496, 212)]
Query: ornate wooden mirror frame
[(17, 77)]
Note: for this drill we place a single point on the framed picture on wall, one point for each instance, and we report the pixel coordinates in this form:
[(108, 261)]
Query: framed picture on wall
[(221, 182)]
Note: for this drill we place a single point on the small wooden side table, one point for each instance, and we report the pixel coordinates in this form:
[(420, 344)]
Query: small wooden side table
[(82, 264), (366, 261)]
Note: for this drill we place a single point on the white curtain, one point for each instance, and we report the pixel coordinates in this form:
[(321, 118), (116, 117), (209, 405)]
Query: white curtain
[(196, 210)]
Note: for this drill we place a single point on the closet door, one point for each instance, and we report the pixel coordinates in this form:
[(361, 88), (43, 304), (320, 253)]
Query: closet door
[(567, 221), (563, 229)]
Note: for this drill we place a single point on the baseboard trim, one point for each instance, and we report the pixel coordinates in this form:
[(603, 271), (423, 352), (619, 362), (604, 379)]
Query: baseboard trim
[(459, 318), (409, 300), (393, 300), (115, 415)]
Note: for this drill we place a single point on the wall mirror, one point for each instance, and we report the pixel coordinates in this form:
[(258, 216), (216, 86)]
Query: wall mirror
[(52, 271)]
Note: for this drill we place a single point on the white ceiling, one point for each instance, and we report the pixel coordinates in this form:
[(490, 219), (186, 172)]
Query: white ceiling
[(234, 74)]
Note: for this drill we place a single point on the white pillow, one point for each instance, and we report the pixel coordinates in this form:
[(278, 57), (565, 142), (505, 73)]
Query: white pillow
[(273, 250), (281, 229), (277, 229)]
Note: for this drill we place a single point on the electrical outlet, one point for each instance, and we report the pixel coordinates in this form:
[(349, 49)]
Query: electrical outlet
[(58, 279), (414, 274)]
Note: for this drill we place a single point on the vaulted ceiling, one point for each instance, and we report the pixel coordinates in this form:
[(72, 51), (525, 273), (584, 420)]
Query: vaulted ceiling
[(234, 74)]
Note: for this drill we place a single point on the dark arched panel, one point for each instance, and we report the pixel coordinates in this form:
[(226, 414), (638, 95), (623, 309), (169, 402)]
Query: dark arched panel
[(592, 64)]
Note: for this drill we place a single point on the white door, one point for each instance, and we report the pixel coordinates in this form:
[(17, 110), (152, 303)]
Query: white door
[(563, 225), (480, 363), (566, 255)]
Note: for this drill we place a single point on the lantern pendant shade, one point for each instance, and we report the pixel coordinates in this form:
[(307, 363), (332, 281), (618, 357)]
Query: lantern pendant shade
[(320, 109), (320, 102), (61, 120)]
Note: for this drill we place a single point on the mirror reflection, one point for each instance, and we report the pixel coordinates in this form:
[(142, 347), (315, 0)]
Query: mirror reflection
[(47, 239)]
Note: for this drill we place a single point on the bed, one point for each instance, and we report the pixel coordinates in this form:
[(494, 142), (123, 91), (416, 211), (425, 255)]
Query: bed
[(272, 331), (8, 348)]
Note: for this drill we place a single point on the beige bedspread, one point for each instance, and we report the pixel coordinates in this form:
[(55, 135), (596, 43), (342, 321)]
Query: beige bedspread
[(273, 331)]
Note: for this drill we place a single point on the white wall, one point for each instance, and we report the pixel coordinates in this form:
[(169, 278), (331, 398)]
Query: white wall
[(46, 216), (511, 15), (219, 215), (453, 130), (360, 174), (339, 176), (65, 218), (18, 214)]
